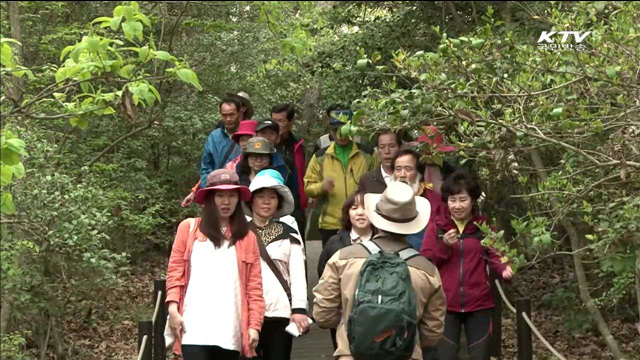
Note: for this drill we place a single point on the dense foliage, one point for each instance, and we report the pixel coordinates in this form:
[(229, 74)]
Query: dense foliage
[(104, 119)]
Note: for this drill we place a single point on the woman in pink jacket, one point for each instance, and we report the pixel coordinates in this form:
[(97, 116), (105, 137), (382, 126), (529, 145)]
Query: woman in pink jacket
[(214, 282)]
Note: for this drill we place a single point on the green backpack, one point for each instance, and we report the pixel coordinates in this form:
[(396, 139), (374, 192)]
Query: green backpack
[(383, 320)]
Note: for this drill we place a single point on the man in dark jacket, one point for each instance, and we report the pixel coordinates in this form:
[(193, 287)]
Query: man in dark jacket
[(375, 181)]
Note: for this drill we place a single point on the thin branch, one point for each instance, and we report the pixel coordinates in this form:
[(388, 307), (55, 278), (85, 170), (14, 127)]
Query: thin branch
[(527, 94)]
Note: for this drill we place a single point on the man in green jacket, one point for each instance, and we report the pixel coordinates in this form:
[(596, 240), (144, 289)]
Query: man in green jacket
[(333, 174)]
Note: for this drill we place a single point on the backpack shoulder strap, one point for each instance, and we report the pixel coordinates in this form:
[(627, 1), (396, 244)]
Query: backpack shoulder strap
[(371, 247), (408, 253)]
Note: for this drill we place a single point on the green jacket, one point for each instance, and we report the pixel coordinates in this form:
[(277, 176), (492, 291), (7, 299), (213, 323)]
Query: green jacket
[(324, 164)]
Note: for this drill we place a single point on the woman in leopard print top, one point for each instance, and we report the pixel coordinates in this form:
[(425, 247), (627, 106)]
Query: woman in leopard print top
[(285, 293)]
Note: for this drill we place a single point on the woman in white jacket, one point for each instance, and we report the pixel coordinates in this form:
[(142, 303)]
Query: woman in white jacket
[(284, 281)]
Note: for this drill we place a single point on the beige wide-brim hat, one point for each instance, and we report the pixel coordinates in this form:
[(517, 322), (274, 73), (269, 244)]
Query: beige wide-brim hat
[(397, 210)]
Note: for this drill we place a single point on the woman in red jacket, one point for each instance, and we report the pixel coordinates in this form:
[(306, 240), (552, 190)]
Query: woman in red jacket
[(453, 243), (214, 282)]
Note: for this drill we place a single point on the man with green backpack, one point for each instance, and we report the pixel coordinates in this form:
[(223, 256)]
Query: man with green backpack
[(385, 300)]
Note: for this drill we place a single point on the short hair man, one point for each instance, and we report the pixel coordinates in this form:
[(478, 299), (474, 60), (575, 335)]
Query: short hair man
[(290, 146), (388, 144), (393, 213)]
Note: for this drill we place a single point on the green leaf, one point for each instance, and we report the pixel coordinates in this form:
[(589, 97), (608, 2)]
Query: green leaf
[(118, 11), (557, 112), (15, 145), (75, 54), (163, 55), (144, 53), (612, 71), (7, 204), (437, 159), (9, 157), (362, 64), (134, 6), (83, 123), (7, 175), (65, 51), (7, 56), (128, 12), (93, 44), (115, 22), (18, 171), (155, 92), (188, 76), (101, 19), (108, 111), (599, 5), (127, 71), (142, 17), (477, 43), (376, 57), (132, 28)]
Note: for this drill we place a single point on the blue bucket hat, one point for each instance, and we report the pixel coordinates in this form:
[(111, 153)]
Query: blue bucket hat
[(272, 179)]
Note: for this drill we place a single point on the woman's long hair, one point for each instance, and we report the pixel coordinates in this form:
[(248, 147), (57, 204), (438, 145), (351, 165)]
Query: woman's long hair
[(210, 224)]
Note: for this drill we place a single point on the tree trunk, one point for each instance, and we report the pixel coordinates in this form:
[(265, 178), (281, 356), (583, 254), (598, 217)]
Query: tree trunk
[(638, 286), (5, 314), (454, 12), (506, 12), (583, 286), (308, 115), (15, 91)]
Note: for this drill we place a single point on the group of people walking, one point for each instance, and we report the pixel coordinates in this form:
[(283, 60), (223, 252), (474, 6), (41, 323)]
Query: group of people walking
[(402, 269)]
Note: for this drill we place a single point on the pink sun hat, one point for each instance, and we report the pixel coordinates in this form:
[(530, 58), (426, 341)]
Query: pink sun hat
[(246, 127), (223, 179)]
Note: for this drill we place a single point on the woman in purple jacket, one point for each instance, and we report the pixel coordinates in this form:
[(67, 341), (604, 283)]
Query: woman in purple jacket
[(453, 243)]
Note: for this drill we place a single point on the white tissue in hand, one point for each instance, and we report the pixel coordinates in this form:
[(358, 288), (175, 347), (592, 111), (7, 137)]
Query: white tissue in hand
[(292, 328)]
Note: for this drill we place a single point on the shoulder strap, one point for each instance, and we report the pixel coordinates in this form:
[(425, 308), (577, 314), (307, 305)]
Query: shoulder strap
[(371, 247), (232, 146), (264, 254), (407, 254)]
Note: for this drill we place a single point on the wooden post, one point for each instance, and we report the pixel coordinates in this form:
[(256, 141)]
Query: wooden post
[(145, 328), (495, 340), (159, 348), (525, 343)]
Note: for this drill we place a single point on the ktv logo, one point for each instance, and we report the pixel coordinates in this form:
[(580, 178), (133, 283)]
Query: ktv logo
[(548, 40)]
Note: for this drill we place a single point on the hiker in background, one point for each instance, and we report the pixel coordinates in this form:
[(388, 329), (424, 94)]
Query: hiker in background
[(405, 169), (388, 144), (356, 228), (333, 174), (415, 298), (246, 131), (257, 156), (283, 265), (292, 149), (270, 130), (219, 149), (453, 243), (434, 173), (214, 282)]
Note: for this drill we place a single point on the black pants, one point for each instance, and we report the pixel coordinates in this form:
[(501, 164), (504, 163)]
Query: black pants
[(333, 338), (204, 352), (275, 343), (326, 234), (477, 327)]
